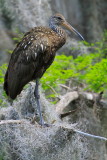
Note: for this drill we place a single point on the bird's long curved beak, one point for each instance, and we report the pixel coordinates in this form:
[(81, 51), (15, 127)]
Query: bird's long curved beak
[(69, 27)]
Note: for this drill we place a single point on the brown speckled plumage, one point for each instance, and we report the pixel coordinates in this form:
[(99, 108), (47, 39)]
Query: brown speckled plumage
[(33, 55)]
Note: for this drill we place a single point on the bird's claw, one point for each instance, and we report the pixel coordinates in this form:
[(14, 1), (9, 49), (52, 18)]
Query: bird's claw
[(41, 123), (33, 120)]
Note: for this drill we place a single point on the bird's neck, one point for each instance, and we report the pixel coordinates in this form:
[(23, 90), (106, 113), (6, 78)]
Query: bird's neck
[(56, 28)]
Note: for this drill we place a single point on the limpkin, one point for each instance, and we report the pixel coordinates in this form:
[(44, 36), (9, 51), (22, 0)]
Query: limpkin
[(33, 55)]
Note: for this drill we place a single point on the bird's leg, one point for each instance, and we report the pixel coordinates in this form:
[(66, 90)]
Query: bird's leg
[(37, 96)]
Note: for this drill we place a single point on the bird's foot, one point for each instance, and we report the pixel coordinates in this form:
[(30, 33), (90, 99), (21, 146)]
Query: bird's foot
[(33, 120), (42, 123)]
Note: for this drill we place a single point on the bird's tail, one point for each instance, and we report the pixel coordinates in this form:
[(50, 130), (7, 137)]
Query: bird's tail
[(11, 86), (5, 86)]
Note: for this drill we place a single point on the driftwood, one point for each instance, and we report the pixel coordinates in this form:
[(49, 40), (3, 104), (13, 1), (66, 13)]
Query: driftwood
[(3, 122), (65, 100), (71, 96)]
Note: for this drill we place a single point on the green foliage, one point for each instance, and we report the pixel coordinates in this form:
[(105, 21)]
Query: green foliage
[(83, 69), (19, 36), (1, 157), (92, 71), (2, 93), (96, 77), (2, 71), (59, 72)]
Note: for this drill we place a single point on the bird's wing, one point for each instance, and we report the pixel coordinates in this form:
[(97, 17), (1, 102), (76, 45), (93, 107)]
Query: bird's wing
[(25, 59)]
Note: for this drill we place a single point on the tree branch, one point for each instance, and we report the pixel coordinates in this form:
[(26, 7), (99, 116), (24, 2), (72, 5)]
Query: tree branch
[(53, 90), (84, 133), (71, 96), (64, 86), (11, 121), (90, 135), (65, 100)]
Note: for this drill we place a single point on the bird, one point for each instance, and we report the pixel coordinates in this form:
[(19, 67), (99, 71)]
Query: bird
[(33, 55)]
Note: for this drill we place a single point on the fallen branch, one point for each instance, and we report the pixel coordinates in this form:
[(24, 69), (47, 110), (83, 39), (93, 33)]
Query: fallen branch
[(11, 121), (71, 96), (65, 100), (64, 86), (84, 133), (90, 135)]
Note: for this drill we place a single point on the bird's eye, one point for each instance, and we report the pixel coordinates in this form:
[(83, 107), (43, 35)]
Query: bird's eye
[(59, 18)]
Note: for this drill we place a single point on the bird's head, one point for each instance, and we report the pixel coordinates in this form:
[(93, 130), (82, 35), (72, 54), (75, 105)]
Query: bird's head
[(59, 20)]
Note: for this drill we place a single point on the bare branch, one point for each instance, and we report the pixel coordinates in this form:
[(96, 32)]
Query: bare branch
[(64, 86), (53, 90), (84, 133), (71, 96), (65, 100), (90, 135), (87, 95), (2, 122)]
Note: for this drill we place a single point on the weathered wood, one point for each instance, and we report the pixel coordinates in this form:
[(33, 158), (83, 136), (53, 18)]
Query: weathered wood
[(71, 96), (65, 100), (11, 122)]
